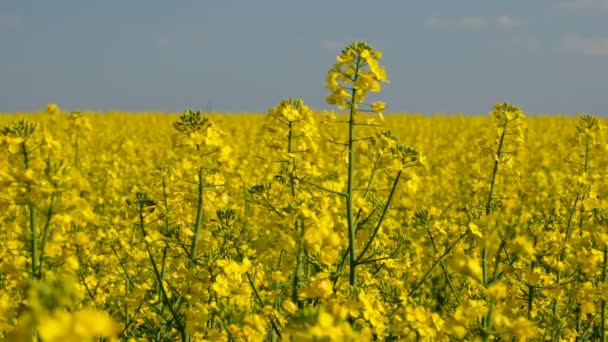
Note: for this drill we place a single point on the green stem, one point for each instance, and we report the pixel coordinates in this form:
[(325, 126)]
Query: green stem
[(352, 242), (381, 219), (76, 152), (337, 193), (273, 323), (604, 269), (562, 254), (340, 266), (159, 279), (293, 160), (297, 275), (46, 231), (34, 242), (199, 216), (298, 226), (25, 154), (442, 264), (586, 154), (487, 321), (531, 294), (33, 216), (166, 202), (495, 170), (424, 278), (487, 333), (161, 301), (163, 271)]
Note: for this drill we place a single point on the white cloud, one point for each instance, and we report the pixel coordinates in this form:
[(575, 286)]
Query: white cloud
[(580, 4), (469, 22), (10, 20), (506, 22), (589, 46)]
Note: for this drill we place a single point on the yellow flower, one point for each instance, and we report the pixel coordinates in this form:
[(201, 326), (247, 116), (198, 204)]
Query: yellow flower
[(319, 286), (83, 325), (475, 230), (378, 107), (497, 291), (289, 306), (350, 72)]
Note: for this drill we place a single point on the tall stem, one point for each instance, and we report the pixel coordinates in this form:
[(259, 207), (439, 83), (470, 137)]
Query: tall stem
[(199, 216), (531, 294), (382, 216), (562, 254), (33, 216), (298, 226), (76, 151), (604, 269), (46, 230), (159, 279), (487, 321), (352, 242), (495, 170), (587, 146)]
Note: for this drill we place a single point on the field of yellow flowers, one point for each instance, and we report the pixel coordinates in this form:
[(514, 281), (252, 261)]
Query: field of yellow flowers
[(302, 225)]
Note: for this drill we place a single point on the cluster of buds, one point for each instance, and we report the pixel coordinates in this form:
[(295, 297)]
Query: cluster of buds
[(356, 73), (291, 120), (510, 126)]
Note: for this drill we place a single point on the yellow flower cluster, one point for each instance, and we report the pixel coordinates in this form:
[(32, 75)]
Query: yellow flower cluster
[(356, 73)]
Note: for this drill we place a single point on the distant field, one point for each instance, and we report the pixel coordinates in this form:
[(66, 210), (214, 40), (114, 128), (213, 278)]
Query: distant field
[(114, 203)]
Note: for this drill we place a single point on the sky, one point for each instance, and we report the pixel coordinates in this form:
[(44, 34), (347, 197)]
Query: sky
[(545, 56)]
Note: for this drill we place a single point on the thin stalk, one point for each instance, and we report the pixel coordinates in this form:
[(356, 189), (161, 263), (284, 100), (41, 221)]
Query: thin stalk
[(298, 225), (531, 294), (297, 275), (484, 262), (562, 252), (273, 324), (128, 284), (338, 193), (579, 198), (179, 325), (76, 151), (46, 231), (424, 278), (165, 201), (495, 170), (159, 293), (587, 147), (199, 216), (33, 216), (340, 266), (352, 242), (34, 242), (381, 219), (487, 332), (442, 264), (293, 160), (604, 269), (163, 270)]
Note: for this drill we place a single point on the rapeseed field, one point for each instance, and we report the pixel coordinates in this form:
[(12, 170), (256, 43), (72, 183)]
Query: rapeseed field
[(303, 225)]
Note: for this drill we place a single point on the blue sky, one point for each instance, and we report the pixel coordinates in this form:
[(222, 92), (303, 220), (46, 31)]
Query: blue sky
[(448, 56)]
